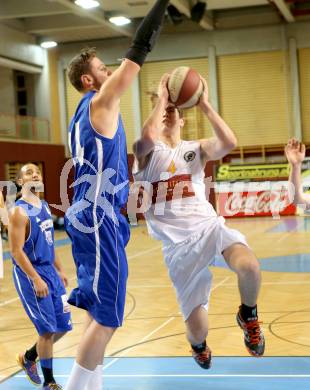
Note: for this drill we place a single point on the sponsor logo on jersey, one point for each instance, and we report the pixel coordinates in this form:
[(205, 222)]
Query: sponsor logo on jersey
[(47, 224), (189, 156), (49, 237), (177, 187)]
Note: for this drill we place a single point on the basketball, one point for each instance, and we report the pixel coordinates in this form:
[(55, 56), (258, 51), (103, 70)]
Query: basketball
[(185, 87)]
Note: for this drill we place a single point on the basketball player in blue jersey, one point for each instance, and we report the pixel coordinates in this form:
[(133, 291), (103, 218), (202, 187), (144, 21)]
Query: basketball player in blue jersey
[(38, 275), (98, 231)]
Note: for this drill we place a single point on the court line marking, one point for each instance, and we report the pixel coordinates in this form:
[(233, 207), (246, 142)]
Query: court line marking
[(227, 284), (169, 285), (285, 235), (144, 252), (9, 301), (140, 341), (74, 277), (155, 330), (189, 376)]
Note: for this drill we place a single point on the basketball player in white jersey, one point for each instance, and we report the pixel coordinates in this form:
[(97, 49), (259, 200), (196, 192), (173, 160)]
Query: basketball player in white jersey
[(295, 153), (187, 224)]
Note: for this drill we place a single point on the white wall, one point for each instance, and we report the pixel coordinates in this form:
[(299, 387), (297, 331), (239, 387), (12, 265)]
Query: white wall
[(7, 91), (41, 91), (20, 46), (23, 52)]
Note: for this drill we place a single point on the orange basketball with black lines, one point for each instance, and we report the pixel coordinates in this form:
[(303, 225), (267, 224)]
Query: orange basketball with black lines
[(185, 87)]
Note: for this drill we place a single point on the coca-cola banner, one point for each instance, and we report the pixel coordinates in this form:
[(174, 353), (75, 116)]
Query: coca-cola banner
[(254, 199)]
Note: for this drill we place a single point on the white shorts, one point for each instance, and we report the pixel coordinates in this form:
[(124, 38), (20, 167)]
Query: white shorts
[(188, 263)]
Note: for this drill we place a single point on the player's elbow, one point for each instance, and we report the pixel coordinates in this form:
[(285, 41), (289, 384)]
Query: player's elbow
[(231, 143), (149, 132)]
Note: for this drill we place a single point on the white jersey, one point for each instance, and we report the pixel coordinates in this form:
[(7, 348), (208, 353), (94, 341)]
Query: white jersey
[(178, 206)]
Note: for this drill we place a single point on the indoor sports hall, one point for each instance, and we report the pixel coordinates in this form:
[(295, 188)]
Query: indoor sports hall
[(255, 56)]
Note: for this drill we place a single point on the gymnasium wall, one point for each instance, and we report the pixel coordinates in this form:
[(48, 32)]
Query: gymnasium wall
[(52, 158), (20, 51), (53, 60), (254, 96), (21, 47), (304, 71), (7, 97)]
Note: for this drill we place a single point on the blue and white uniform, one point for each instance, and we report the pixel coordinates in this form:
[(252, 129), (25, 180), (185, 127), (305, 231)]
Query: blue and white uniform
[(50, 314), (98, 230)]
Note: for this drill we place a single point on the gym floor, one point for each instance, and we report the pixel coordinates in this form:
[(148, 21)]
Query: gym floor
[(151, 350)]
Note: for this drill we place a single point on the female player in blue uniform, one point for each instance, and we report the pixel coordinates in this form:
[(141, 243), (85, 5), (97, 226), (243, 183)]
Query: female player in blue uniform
[(98, 231), (38, 275)]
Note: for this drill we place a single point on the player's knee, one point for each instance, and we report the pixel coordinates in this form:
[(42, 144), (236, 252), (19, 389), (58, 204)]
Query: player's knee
[(249, 266), (47, 336), (59, 335)]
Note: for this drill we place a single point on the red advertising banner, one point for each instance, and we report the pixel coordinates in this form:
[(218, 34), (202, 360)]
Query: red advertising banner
[(255, 203)]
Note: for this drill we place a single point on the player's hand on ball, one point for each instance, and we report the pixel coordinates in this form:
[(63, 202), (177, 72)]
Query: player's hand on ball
[(163, 92), (40, 287), (295, 151), (204, 99)]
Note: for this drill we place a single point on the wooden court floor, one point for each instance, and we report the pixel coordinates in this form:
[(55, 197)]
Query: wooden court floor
[(153, 324)]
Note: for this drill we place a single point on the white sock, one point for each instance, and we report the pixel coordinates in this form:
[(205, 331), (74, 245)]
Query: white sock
[(95, 382), (78, 378)]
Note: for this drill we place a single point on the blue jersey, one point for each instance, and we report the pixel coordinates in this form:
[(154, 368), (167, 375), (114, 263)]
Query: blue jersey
[(39, 245), (100, 190), (101, 167)]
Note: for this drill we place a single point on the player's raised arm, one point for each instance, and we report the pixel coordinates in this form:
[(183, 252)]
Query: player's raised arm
[(143, 42), (151, 128), (295, 153), (224, 139), (17, 232)]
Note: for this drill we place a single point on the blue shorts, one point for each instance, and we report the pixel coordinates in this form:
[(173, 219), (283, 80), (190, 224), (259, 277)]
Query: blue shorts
[(101, 264), (50, 314)]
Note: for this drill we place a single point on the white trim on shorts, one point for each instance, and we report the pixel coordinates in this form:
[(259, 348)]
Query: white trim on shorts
[(97, 237), (21, 291), (116, 238)]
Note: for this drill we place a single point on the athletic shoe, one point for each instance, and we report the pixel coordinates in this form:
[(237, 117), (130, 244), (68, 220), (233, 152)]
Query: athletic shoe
[(52, 386), (30, 369), (203, 358), (253, 335)]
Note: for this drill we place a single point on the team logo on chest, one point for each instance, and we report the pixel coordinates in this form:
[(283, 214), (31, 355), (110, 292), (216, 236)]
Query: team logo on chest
[(189, 156), (46, 227), (172, 168)]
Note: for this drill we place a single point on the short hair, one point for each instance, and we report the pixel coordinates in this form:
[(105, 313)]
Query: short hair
[(79, 65)]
